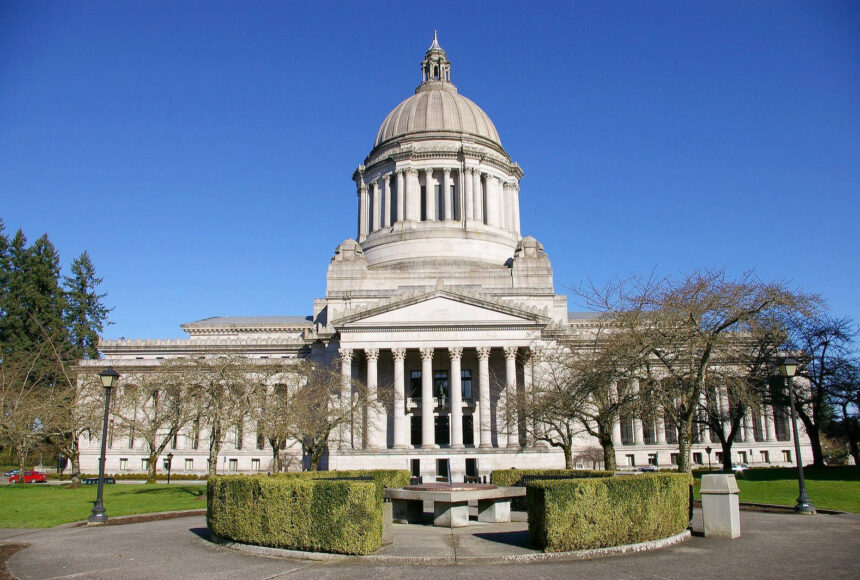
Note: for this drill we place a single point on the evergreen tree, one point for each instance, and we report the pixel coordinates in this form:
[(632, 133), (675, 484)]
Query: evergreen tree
[(86, 314), (5, 267)]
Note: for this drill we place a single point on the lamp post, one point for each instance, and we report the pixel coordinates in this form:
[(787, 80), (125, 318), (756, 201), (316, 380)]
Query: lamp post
[(788, 367), (109, 378), (708, 451), (169, 463)]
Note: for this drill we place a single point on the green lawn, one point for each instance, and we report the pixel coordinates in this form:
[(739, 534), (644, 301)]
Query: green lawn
[(836, 488), (43, 506)]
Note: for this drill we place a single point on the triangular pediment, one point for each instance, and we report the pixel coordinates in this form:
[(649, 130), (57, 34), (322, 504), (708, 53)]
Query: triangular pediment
[(443, 308)]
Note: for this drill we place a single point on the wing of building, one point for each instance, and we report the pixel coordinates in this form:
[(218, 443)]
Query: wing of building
[(440, 298)]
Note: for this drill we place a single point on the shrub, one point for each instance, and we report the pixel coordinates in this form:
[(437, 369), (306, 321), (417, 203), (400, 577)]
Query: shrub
[(610, 511), (509, 477), (382, 478), (300, 513), (136, 476)]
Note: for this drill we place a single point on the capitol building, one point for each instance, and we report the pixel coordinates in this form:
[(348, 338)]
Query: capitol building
[(441, 298)]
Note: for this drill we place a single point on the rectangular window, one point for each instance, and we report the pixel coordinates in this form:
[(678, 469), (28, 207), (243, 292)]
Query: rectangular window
[(468, 430), (415, 429), (671, 434), (471, 467), (765, 457), (627, 431), (442, 469), (455, 205), (466, 383), (415, 467), (786, 455), (652, 459), (697, 458), (239, 436), (673, 458), (742, 456), (423, 203), (144, 464), (123, 463), (649, 432), (255, 465), (174, 442), (631, 460), (718, 456), (261, 440), (415, 384), (440, 384), (189, 464), (165, 464), (440, 203), (234, 465)]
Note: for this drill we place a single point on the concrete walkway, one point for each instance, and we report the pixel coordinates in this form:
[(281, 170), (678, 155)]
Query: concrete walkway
[(772, 545)]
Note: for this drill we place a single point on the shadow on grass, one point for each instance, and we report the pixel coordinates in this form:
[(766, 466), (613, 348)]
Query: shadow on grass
[(189, 490), (835, 473)]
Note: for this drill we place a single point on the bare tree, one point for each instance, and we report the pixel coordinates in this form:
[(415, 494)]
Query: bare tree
[(845, 396), (23, 381), (684, 325), (825, 343), (155, 405)]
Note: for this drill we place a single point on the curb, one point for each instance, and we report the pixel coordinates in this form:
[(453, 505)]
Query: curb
[(590, 554), (774, 508)]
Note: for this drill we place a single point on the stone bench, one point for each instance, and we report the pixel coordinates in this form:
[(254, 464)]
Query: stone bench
[(451, 504)]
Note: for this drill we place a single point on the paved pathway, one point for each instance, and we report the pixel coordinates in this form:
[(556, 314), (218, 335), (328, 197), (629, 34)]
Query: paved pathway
[(772, 546)]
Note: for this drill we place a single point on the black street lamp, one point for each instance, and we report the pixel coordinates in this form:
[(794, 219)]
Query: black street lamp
[(788, 367), (169, 463), (109, 378), (708, 451)]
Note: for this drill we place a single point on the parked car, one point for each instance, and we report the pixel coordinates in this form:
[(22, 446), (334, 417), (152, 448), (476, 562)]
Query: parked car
[(739, 467), (29, 477), (11, 473), (647, 469)]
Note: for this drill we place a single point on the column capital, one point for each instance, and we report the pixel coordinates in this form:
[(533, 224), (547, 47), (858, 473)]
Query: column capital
[(362, 188), (371, 353), (398, 353), (446, 171), (455, 352), (428, 171), (345, 354), (426, 353), (527, 354), (410, 171), (484, 352), (511, 352)]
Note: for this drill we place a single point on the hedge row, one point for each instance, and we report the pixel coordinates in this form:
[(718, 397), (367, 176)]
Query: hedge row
[(381, 477), (136, 476), (514, 477), (298, 513), (610, 511)]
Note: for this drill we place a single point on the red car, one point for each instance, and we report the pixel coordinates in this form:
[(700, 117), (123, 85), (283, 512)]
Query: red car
[(29, 477)]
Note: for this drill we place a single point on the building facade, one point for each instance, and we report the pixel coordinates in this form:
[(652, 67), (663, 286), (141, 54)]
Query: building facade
[(440, 298)]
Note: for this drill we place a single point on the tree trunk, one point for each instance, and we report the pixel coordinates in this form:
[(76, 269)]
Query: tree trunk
[(276, 459), (214, 448), (727, 454), (605, 439), (75, 460), (568, 455), (151, 467), (685, 436), (815, 441)]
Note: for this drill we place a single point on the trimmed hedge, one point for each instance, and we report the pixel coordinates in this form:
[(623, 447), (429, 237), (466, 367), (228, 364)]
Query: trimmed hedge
[(610, 511), (514, 477), (299, 513), (381, 477)]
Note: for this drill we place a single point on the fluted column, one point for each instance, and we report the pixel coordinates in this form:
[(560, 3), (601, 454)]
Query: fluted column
[(749, 427), (616, 434), (399, 354), (505, 211), (661, 428), (371, 441), (469, 212), (446, 194), (516, 206), (512, 410), (386, 212), (769, 425), (413, 195), (401, 196), (725, 413), (478, 195), (455, 353), (704, 430), (345, 394), (484, 395), (363, 212), (638, 431), (428, 426), (492, 209), (430, 199)]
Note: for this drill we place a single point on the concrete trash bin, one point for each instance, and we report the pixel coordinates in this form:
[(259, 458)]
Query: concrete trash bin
[(720, 510)]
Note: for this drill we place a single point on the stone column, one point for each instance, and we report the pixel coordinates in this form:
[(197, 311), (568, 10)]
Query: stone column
[(638, 431), (363, 212), (400, 440), (345, 394), (468, 211), (413, 195), (428, 426), (492, 208), (768, 423), (724, 408), (371, 441), (456, 398), (478, 195), (661, 428), (446, 194), (386, 213), (616, 434), (528, 385), (512, 410), (749, 428), (703, 429), (430, 197), (507, 214), (516, 204), (484, 395), (401, 196)]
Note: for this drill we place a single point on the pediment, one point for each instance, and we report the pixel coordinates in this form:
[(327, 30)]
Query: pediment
[(443, 308)]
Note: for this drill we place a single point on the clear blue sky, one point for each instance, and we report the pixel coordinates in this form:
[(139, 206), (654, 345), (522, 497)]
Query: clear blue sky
[(202, 152)]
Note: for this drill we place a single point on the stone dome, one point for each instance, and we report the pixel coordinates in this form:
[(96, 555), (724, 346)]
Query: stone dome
[(436, 107)]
